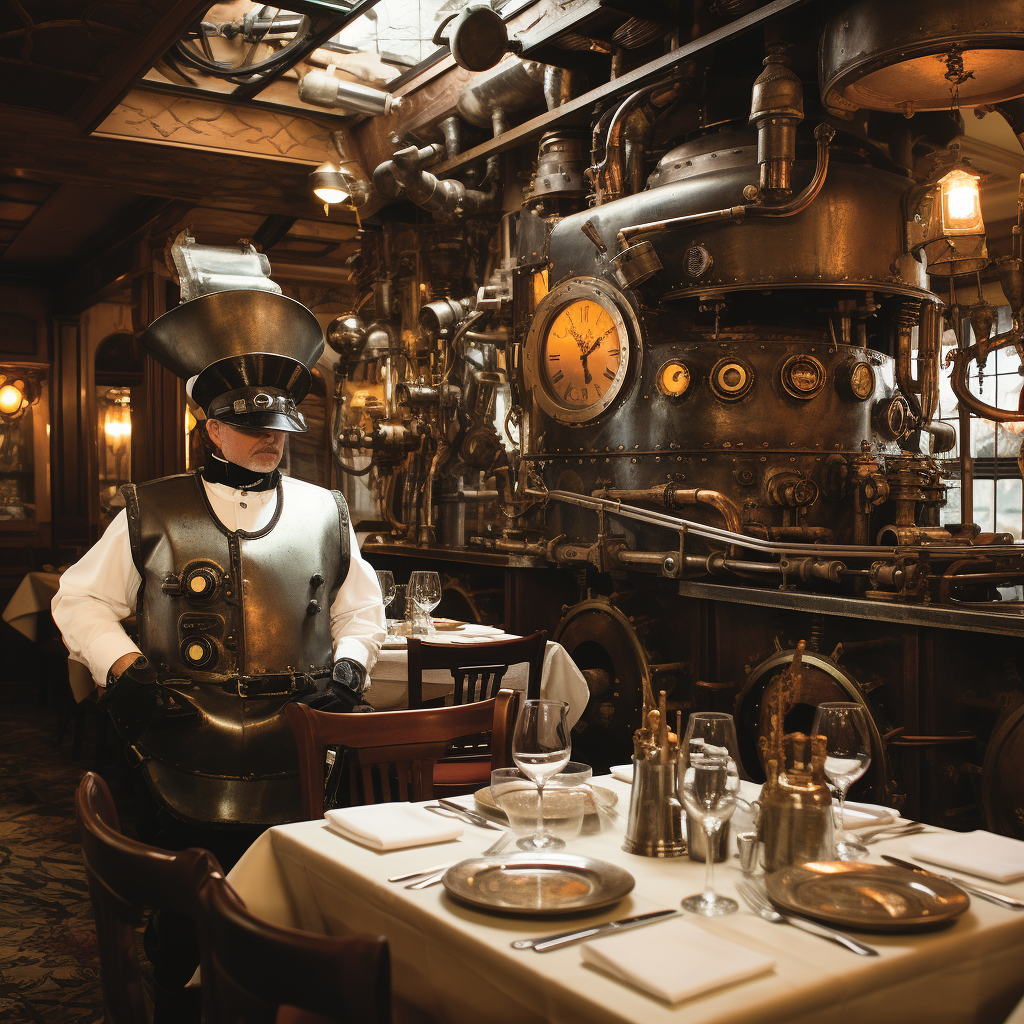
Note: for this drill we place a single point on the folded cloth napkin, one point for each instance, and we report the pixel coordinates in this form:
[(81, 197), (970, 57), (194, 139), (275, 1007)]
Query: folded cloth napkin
[(622, 772), (674, 960), (392, 826), (859, 815), (980, 853)]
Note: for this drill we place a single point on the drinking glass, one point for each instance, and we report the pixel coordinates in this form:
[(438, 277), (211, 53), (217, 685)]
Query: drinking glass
[(422, 597), (540, 749), (386, 582), (709, 783), (847, 756)]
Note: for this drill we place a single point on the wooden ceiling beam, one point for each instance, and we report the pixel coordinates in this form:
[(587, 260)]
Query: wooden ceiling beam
[(108, 271), (48, 152), (97, 104)]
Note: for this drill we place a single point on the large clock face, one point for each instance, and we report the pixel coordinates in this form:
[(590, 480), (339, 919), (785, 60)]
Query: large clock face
[(582, 354), (578, 350)]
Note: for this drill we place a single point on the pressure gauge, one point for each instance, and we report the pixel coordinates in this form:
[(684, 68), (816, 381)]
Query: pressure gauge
[(673, 379), (803, 376), (580, 349)]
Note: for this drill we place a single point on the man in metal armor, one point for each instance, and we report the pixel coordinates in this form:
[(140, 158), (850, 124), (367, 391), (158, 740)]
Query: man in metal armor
[(248, 587)]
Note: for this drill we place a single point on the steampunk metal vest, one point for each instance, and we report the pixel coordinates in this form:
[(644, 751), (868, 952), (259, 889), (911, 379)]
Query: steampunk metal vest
[(235, 625)]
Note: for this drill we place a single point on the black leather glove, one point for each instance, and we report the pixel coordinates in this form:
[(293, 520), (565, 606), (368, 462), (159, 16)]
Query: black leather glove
[(133, 698), (351, 674), (342, 693)]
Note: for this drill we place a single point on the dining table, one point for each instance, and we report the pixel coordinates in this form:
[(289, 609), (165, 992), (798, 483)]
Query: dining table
[(30, 600), (389, 677), (453, 962)]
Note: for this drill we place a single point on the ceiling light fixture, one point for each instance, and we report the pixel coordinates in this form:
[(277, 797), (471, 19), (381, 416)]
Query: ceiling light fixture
[(340, 179), (329, 183)]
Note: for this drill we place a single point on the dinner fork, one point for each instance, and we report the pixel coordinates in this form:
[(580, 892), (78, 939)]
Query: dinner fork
[(432, 879), (874, 835), (757, 900)]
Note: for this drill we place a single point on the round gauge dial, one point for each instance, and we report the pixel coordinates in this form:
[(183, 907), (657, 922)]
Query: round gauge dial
[(578, 350), (862, 380), (674, 379)]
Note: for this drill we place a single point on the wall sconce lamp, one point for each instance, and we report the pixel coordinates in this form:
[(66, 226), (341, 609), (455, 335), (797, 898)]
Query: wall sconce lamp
[(946, 221), (17, 393), (117, 425)]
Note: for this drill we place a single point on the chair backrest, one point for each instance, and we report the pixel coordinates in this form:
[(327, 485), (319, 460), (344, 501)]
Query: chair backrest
[(477, 669), (125, 877), (255, 967), (398, 745)]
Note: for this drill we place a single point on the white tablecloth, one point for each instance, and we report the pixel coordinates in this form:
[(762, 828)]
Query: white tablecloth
[(29, 601), (455, 964), (560, 680), (34, 594)]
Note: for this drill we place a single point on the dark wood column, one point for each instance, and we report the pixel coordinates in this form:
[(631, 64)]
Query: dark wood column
[(70, 438), (158, 448)]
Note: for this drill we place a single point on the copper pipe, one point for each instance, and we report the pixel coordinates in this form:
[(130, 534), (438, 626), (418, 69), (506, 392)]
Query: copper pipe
[(684, 526), (608, 174), (823, 133), (677, 497)]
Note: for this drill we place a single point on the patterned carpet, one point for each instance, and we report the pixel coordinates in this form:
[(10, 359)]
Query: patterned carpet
[(49, 968)]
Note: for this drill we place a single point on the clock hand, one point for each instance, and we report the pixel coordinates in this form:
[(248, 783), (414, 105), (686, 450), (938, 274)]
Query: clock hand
[(576, 335)]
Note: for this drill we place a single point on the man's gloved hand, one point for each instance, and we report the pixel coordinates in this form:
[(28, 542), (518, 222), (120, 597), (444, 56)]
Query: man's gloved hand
[(351, 674), (133, 698), (342, 692)]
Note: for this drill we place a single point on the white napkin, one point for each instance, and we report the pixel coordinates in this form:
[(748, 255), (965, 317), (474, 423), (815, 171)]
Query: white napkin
[(622, 772), (859, 815), (392, 826), (981, 853), (675, 960)]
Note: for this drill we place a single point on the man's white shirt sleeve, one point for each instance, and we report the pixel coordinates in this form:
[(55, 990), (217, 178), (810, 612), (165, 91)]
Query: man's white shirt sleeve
[(95, 594)]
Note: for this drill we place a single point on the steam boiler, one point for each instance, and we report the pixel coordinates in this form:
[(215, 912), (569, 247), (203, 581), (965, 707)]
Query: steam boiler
[(655, 312)]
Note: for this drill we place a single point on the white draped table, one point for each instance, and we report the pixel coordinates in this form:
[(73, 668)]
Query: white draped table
[(454, 964), (28, 602), (389, 679)]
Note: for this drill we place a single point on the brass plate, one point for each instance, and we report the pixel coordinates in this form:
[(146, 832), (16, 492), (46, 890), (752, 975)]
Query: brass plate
[(548, 884), (872, 897), (485, 802)]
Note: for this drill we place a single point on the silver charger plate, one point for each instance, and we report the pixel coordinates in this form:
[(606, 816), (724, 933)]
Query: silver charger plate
[(872, 897), (541, 884)]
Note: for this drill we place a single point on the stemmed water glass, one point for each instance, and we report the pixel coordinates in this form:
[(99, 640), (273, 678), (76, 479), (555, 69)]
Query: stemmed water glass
[(847, 756), (709, 782), (424, 593), (540, 749), (386, 582)]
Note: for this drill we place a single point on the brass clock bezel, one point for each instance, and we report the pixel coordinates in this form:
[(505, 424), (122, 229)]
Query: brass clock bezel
[(616, 306)]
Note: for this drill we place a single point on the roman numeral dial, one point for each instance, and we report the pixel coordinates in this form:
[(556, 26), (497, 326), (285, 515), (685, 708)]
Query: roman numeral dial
[(579, 348)]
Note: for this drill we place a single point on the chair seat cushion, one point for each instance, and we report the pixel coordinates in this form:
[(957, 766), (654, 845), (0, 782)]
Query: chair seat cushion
[(462, 773)]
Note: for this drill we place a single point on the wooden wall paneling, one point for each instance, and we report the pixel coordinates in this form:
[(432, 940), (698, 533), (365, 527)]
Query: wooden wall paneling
[(160, 450), (69, 438)]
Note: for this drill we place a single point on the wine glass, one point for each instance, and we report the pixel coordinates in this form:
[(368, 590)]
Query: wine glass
[(386, 582), (847, 756), (709, 782), (540, 749), (425, 594)]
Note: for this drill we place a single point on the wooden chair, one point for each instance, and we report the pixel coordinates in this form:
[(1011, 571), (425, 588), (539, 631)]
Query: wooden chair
[(477, 669), (260, 973), (403, 745), (125, 877)]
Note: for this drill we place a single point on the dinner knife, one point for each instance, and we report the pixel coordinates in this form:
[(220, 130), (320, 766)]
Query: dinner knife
[(471, 816), (547, 943), (1010, 902)]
